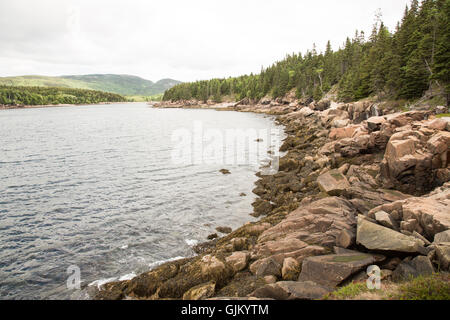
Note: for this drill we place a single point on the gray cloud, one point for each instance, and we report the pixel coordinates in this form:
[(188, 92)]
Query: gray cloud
[(186, 40)]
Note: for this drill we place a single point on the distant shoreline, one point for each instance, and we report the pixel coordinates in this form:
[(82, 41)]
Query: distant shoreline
[(8, 107)]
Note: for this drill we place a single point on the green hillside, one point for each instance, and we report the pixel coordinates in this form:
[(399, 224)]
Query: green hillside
[(10, 95), (119, 84)]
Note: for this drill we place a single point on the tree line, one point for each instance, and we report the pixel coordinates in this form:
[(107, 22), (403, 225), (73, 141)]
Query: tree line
[(11, 95), (405, 63)]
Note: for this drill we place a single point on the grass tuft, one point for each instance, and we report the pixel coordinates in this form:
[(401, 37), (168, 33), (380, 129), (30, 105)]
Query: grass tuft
[(432, 287)]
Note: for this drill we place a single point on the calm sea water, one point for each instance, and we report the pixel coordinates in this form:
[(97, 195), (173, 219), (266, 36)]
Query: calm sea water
[(97, 187)]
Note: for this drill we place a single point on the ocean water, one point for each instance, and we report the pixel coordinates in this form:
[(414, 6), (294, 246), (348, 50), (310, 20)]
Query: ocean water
[(114, 190)]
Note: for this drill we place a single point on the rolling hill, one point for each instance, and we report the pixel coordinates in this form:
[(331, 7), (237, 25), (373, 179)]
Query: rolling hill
[(120, 84)]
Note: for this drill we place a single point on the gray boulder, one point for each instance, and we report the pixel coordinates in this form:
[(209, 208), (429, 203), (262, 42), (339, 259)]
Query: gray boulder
[(331, 270), (292, 290), (376, 237), (408, 268)]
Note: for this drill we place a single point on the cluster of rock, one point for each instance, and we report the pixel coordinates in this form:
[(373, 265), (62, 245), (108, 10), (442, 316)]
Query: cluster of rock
[(359, 186)]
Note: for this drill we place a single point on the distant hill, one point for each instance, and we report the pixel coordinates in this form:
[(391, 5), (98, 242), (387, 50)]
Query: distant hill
[(120, 84)]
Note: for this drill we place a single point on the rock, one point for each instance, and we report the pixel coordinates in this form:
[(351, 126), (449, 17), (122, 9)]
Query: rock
[(212, 236), (386, 274), (292, 290), (431, 212), (443, 255), (442, 237), (200, 292), (346, 238), (318, 223), (257, 229), (290, 269), (341, 133), (333, 183), (426, 215), (339, 250), (238, 260), (266, 267), (351, 147), (331, 270), (441, 109), (210, 265), (439, 143), (271, 291), (341, 123), (437, 124), (323, 104), (204, 246), (374, 123), (376, 237), (305, 112), (421, 237), (242, 194), (410, 225), (225, 171), (262, 207), (413, 159), (391, 263), (224, 229), (289, 244), (288, 164), (238, 243), (384, 219), (270, 279), (418, 266), (344, 168)]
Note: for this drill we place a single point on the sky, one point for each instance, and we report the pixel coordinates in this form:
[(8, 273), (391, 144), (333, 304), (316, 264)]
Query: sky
[(184, 40)]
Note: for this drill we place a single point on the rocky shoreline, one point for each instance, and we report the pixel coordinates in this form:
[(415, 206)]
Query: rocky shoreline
[(360, 185)]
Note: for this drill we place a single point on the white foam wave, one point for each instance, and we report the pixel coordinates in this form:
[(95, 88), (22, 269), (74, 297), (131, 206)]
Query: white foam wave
[(191, 242), (128, 276), (158, 263), (101, 282)]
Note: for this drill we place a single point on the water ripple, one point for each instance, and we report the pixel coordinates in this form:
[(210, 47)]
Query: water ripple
[(95, 187)]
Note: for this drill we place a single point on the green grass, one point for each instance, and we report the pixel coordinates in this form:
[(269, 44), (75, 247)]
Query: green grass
[(443, 115), (349, 291), (432, 287)]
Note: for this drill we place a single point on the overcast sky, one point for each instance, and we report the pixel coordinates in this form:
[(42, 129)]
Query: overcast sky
[(180, 39)]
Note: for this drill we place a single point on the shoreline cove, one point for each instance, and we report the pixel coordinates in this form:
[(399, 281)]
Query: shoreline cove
[(330, 184)]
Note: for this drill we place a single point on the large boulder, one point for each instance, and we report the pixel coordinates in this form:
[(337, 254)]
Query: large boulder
[(238, 260), (374, 123), (408, 268), (306, 112), (331, 270), (442, 237), (318, 223), (426, 215), (376, 237), (431, 213), (415, 160), (351, 147), (333, 182), (266, 267), (292, 290), (211, 266)]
